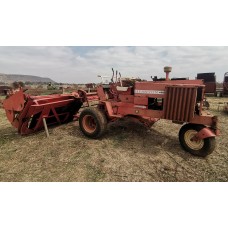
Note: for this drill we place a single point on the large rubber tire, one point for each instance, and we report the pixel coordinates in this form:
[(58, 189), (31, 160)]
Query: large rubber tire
[(93, 122), (200, 148)]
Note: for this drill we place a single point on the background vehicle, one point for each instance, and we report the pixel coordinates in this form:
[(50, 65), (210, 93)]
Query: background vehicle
[(225, 84), (209, 81)]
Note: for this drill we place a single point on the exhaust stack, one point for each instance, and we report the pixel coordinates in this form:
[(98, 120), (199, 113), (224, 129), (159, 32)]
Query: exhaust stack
[(167, 70)]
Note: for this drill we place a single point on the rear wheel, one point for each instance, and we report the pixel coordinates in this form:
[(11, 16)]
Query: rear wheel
[(93, 122), (201, 147)]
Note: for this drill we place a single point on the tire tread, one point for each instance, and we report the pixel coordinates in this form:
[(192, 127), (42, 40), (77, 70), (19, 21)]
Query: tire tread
[(209, 143), (101, 120)]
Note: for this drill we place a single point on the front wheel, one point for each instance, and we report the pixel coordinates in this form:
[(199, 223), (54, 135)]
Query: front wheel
[(201, 147), (93, 122)]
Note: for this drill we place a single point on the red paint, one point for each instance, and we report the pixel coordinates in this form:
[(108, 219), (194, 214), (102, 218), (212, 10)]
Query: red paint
[(56, 109)]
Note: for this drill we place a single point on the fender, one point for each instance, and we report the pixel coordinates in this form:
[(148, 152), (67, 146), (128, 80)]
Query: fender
[(205, 133)]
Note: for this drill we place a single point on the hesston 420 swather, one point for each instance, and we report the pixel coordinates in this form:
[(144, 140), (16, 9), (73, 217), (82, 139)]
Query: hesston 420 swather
[(180, 101)]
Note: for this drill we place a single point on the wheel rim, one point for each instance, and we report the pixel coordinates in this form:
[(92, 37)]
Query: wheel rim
[(89, 123), (194, 145)]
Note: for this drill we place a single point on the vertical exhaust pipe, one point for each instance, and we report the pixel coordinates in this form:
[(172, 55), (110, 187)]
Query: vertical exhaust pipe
[(167, 70), (112, 76)]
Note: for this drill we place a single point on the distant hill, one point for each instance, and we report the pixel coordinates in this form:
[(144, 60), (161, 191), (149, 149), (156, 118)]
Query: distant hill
[(9, 78)]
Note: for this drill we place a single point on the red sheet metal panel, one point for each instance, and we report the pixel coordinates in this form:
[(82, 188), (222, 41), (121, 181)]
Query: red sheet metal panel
[(15, 103), (179, 103), (126, 98), (141, 100)]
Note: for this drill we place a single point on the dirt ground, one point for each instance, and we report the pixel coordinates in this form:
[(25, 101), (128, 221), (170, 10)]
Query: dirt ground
[(128, 152)]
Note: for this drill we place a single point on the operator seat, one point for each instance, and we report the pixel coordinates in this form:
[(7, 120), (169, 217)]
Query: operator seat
[(122, 88)]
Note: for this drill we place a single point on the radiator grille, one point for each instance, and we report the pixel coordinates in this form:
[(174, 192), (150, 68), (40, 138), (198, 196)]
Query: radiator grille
[(179, 103)]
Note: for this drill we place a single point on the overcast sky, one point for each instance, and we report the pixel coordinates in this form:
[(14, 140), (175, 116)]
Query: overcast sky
[(83, 64)]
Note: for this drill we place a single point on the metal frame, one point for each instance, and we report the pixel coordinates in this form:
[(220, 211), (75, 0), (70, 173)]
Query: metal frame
[(26, 112)]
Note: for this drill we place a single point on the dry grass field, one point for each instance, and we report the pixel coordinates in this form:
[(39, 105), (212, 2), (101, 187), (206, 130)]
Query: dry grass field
[(128, 152)]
